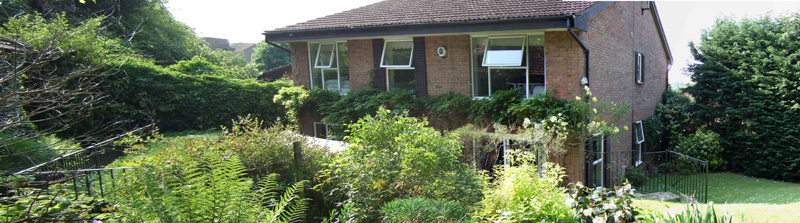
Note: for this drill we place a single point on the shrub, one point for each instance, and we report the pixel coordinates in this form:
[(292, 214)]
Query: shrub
[(392, 156), (603, 205), (497, 110), (654, 134), (524, 193), (144, 92), (636, 176), (424, 210), (676, 116), (703, 144), (693, 214)]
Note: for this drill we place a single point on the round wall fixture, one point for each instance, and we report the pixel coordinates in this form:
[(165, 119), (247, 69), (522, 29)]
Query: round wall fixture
[(441, 51)]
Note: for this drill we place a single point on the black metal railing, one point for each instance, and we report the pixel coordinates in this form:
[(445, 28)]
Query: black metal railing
[(651, 171), (91, 182)]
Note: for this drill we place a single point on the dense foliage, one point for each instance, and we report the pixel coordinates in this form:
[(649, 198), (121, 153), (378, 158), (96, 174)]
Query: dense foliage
[(267, 57), (525, 192), (702, 144), (144, 92), (144, 25), (676, 116), (422, 210), (601, 205), (747, 90), (393, 156)]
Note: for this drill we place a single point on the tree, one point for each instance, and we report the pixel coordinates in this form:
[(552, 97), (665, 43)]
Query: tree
[(747, 89), (50, 80), (267, 57), (144, 25)]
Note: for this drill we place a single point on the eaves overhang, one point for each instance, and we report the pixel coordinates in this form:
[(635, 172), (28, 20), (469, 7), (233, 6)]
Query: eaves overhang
[(552, 22)]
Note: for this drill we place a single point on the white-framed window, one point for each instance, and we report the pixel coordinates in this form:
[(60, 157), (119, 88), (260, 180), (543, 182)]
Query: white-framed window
[(638, 132), (639, 72), (508, 62), (598, 160), (327, 131), (329, 65), (397, 54), (397, 58)]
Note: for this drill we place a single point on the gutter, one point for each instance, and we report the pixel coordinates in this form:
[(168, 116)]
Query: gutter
[(266, 39), (570, 25)]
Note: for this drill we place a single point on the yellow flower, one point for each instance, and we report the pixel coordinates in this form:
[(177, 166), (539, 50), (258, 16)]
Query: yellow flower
[(594, 99), (589, 93), (586, 88), (563, 124), (577, 98), (616, 130), (625, 127), (595, 110)]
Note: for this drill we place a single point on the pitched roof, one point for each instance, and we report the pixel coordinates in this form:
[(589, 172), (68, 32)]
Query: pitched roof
[(275, 73), (404, 12), (239, 47)]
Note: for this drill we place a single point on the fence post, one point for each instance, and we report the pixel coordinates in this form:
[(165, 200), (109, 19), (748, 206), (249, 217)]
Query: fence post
[(298, 161), (298, 171)]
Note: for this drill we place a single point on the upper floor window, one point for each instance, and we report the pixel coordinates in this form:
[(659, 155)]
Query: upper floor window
[(638, 132), (508, 62), (397, 59), (639, 68), (329, 66)]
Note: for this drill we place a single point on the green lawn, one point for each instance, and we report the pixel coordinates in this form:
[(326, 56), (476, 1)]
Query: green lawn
[(748, 199)]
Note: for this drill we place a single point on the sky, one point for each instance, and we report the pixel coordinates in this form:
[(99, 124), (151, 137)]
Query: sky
[(245, 20)]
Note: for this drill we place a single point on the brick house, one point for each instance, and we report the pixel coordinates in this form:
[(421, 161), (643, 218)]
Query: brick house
[(475, 48)]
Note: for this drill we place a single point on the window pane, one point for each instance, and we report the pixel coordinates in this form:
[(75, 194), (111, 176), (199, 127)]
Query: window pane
[(344, 67), (320, 131), (480, 74), (324, 55), (331, 80), (316, 73), (398, 53), (639, 131), (400, 79), (536, 64), (504, 52), (506, 79)]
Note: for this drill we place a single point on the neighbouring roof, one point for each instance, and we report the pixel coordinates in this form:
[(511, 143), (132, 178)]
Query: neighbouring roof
[(275, 73), (239, 47), (217, 43), (402, 12)]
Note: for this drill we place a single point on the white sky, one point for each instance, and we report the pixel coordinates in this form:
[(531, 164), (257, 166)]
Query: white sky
[(245, 20)]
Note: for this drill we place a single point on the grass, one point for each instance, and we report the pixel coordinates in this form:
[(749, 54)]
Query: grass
[(747, 199)]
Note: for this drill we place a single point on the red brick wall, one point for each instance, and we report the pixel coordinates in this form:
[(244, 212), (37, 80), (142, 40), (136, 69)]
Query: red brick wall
[(614, 36), (451, 73), (300, 64), (564, 64), (360, 55)]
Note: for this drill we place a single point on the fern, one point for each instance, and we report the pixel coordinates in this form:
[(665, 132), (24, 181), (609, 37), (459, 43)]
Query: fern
[(289, 207)]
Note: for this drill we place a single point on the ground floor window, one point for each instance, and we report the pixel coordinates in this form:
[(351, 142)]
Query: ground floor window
[(598, 160), (638, 132), (400, 79), (328, 131)]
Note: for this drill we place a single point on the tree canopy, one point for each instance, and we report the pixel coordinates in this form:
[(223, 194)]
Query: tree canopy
[(747, 89), (267, 57)]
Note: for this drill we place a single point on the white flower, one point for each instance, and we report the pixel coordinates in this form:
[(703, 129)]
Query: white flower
[(553, 118), (599, 219), (586, 88), (526, 123), (587, 212), (618, 215)]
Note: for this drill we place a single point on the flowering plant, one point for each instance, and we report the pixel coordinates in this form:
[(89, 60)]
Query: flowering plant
[(600, 115), (601, 205)]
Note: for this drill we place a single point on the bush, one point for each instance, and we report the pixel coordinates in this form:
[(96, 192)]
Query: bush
[(393, 156), (604, 205), (703, 144), (675, 116), (524, 193), (424, 210), (654, 134), (636, 176), (694, 214), (144, 92)]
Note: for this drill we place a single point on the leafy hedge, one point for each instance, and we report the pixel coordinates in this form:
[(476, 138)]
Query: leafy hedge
[(143, 92), (747, 90), (505, 107)]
